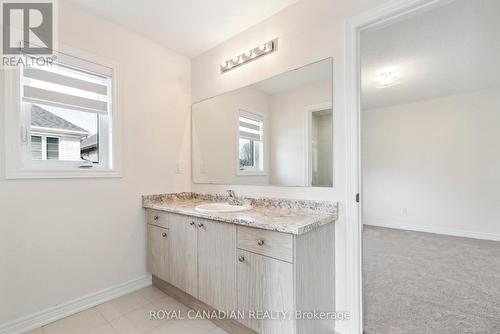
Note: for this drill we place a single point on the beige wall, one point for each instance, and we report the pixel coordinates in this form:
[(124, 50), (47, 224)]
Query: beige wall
[(51, 254), (422, 161), (307, 31), (288, 131)]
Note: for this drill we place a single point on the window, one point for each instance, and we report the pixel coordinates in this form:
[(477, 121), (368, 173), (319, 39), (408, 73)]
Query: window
[(52, 148), (36, 148), (251, 143), (66, 116), (44, 148), (76, 131)]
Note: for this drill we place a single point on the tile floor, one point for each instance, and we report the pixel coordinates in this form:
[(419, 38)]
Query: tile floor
[(129, 314)]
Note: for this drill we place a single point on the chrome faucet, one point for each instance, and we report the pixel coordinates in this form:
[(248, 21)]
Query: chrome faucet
[(231, 195)]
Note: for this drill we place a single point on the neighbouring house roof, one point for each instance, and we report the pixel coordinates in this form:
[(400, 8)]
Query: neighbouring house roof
[(45, 119), (89, 143)]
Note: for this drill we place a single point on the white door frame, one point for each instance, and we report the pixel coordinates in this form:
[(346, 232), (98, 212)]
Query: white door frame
[(383, 15), (309, 110)]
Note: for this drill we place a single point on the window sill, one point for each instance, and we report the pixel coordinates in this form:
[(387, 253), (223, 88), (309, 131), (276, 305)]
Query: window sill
[(242, 173), (62, 174)]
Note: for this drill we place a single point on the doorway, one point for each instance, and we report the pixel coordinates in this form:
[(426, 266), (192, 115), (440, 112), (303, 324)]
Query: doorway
[(429, 126), (319, 145)]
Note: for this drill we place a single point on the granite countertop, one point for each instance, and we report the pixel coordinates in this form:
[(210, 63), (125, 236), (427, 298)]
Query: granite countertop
[(282, 215)]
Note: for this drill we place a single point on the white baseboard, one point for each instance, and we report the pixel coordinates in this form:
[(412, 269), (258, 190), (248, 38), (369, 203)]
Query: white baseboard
[(432, 229), (54, 313)]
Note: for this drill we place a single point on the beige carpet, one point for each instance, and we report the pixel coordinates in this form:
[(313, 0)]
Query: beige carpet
[(422, 283)]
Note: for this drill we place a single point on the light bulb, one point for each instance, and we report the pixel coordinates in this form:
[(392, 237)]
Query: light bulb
[(387, 79)]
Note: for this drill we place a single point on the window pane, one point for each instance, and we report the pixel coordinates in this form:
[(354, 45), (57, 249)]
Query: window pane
[(52, 148), (246, 153), (251, 136), (77, 132), (36, 147), (89, 148)]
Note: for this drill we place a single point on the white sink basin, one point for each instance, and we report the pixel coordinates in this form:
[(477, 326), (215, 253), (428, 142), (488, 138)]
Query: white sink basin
[(222, 207)]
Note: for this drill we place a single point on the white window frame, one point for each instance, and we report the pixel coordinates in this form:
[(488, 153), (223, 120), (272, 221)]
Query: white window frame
[(44, 144), (18, 161), (250, 172)]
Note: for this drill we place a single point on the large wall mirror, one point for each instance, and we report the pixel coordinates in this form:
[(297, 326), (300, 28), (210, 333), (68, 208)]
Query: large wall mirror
[(276, 132)]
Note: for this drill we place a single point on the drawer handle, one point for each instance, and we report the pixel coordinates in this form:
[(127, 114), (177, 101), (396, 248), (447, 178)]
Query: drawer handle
[(192, 223), (164, 234), (241, 259), (201, 225), (156, 217), (260, 242)]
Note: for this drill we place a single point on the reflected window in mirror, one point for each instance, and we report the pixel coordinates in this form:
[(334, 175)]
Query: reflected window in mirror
[(251, 143)]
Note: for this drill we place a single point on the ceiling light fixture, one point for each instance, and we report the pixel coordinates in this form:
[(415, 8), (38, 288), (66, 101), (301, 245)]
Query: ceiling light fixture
[(257, 52), (387, 78)]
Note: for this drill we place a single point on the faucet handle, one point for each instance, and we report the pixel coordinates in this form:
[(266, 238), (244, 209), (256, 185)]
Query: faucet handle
[(231, 193)]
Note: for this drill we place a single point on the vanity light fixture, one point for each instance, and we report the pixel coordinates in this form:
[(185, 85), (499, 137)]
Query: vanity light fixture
[(257, 52), (387, 79)]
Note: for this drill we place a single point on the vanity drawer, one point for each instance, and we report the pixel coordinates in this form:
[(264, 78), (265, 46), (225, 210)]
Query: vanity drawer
[(158, 218), (273, 244)]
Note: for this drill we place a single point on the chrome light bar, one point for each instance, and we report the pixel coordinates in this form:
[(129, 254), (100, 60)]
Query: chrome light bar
[(255, 53)]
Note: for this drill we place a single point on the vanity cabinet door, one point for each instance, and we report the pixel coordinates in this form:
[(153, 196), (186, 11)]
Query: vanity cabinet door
[(265, 284), (216, 265), (157, 250), (181, 254)]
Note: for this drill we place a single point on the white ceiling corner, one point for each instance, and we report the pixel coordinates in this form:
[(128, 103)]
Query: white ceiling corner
[(188, 27)]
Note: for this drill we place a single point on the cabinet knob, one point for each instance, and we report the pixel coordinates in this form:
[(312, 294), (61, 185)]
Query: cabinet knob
[(241, 259), (192, 223), (201, 225), (260, 242), (164, 234), (156, 217)]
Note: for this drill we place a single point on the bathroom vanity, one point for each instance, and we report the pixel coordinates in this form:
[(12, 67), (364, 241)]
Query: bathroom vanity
[(272, 259)]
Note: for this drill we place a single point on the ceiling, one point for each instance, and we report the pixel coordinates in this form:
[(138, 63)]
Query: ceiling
[(317, 72), (188, 27), (448, 50)]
